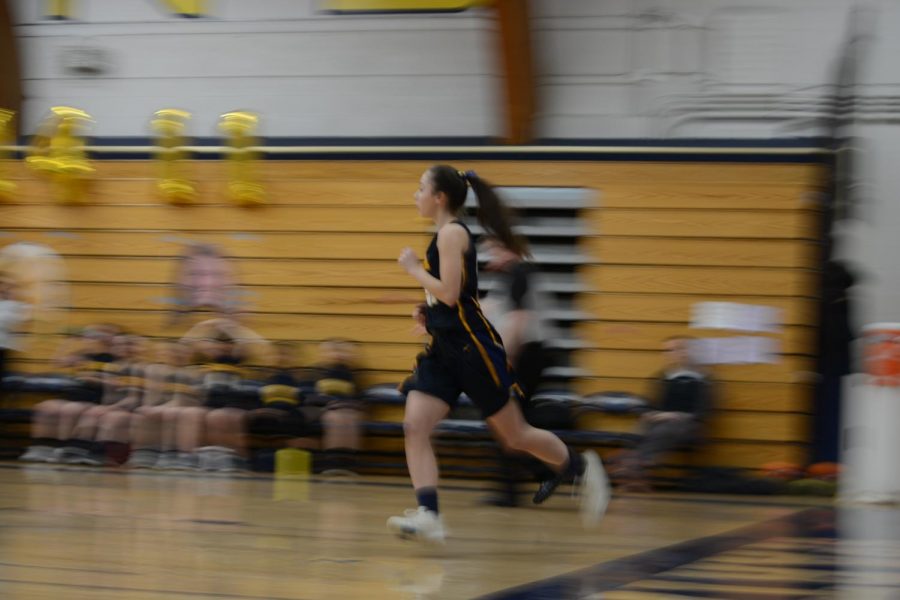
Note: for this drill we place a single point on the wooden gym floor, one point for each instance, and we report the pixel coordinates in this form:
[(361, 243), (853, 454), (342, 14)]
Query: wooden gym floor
[(77, 534)]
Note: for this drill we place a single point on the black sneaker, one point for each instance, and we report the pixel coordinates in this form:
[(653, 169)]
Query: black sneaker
[(547, 488)]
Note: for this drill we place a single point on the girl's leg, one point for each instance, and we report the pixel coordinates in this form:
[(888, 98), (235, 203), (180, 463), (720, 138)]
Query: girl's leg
[(69, 415), (341, 438), (46, 418), (341, 429), (44, 430), (88, 421), (145, 427), (186, 429), (423, 413), (226, 427), (517, 435), (113, 436)]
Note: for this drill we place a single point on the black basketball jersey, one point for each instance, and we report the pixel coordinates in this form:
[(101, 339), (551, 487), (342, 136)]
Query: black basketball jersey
[(438, 315), (465, 319)]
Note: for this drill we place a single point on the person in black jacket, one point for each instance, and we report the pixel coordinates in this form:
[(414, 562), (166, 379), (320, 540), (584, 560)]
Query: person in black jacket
[(515, 308), (683, 399)]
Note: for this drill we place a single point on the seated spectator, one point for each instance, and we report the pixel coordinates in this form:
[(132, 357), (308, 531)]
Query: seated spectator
[(336, 386), (102, 432), (516, 309), (224, 346), (114, 428), (86, 358), (13, 313), (184, 417), (282, 400), (168, 427), (683, 400)]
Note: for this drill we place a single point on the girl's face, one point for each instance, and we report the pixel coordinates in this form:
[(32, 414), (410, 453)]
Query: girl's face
[(207, 278), (427, 201)]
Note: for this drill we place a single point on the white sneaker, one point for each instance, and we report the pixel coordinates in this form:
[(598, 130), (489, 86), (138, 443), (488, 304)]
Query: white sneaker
[(595, 489), (230, 463), (145, 458), (38, 454), (186, 461), (211, 458), (81, 456), (166, 460), (419, 524), (59, 455)]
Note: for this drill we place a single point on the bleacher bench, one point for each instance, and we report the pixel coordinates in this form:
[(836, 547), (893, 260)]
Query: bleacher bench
[(462, 431)]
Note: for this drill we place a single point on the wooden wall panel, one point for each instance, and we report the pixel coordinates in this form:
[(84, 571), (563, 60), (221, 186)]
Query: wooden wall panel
[(701, 252), (673, 307), (624, 335), (320, 261), (292, 245), (704, 223), (711, 281)]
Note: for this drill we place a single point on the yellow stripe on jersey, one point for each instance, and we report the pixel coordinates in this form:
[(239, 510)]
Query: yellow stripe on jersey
[(481, 350), (279, 393), (464, 274), (487, 325), (130, 381), (336, 387), (180, 388), (222, 368)]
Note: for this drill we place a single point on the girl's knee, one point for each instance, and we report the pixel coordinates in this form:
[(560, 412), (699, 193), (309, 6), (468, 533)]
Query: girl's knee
[(416, 428)]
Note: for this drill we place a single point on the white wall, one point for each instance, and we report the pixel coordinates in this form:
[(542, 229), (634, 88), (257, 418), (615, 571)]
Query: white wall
[(306, 73), (606, 69), (657, 68), (733, 68)]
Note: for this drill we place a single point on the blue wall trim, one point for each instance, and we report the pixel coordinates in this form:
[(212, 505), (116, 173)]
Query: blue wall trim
[(467, 148)]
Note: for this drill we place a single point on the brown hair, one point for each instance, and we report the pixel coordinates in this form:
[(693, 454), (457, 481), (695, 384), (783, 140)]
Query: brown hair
[(493, 214)]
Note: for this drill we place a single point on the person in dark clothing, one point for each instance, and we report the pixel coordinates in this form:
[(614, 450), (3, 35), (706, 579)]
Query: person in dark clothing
[(684, 397), (338, 389), (87, 358), (835, 357), (467, 355), (515, 308), (225, 347), (281, 399)]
